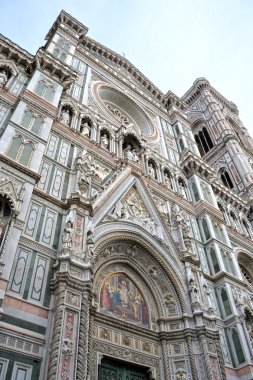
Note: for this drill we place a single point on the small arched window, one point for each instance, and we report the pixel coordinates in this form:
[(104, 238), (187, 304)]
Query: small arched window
[(238, 347), (203, 141), (225, 301), (181, 144), (15, 147), (40, 89), (214, 261), (20, 151), (26, 154), (246, 228), (45, 90), (228, 262), (226, 179), (246, 275), (205, 229), (195, 191), (32, 122)]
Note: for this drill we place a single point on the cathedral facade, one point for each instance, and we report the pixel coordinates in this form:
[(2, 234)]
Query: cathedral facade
[(126, 220)]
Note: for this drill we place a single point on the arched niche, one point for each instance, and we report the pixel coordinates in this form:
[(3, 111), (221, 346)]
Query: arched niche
[(246, 266), (131, 147), (123, 111), (6, 214)]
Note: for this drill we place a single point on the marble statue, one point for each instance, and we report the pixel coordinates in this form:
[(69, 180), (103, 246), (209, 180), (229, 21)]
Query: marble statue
[(67, 236), (85, 129), (104, 141), (130, 153), (65, 117), (151, 170), (194, 291)]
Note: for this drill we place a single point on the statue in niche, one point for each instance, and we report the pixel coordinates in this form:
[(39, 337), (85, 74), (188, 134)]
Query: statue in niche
[(85, 128), (104, 141), (194, 291), (130, 153), (207, 298), (184, 230), (90, 243), (167, 179), (3, 78), (151, 170), (65, 116), (67, 236)]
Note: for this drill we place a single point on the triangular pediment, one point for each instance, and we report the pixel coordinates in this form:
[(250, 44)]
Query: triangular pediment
[(128, 201)]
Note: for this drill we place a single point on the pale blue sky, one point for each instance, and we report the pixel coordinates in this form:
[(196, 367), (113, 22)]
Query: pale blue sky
[(171, 42)]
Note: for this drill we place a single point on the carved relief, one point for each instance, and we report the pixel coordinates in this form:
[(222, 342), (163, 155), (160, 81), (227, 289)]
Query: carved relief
[(88, 170), (119, 115), (132, 208)]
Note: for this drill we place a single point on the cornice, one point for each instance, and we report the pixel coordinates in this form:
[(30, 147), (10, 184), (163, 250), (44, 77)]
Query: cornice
[(45, 61), (71, 24), (237, 238), (202, 207), (92, 46), (7, 98), (201, 84), (19, 167), (174, 101), (40, 193), (38, 103), (129, 328), (190, 164), (15, 52), (228, 196)]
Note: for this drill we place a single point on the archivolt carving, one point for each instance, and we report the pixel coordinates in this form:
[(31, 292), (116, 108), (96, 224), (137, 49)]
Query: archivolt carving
[(132, 239)]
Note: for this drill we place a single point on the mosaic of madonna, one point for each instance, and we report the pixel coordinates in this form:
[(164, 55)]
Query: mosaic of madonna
[(120, 298)]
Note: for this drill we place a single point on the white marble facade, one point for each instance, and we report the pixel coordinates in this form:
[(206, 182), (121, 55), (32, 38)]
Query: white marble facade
[(125, 220)]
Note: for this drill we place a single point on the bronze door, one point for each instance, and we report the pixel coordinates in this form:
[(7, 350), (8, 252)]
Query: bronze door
[(116, 370)]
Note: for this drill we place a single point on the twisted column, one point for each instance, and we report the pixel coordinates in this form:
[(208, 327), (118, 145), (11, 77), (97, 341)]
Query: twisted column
[(83, 359), (191, 357), (58, 311)]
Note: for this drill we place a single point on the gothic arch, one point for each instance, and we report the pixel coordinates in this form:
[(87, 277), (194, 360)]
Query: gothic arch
[(104, 240), (245, 262)]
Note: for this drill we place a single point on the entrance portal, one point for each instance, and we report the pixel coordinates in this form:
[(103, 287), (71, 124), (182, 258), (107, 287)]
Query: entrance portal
[(115, 370)]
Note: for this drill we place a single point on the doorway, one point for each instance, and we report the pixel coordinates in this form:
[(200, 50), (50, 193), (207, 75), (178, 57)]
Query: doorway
[(110, 369)]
